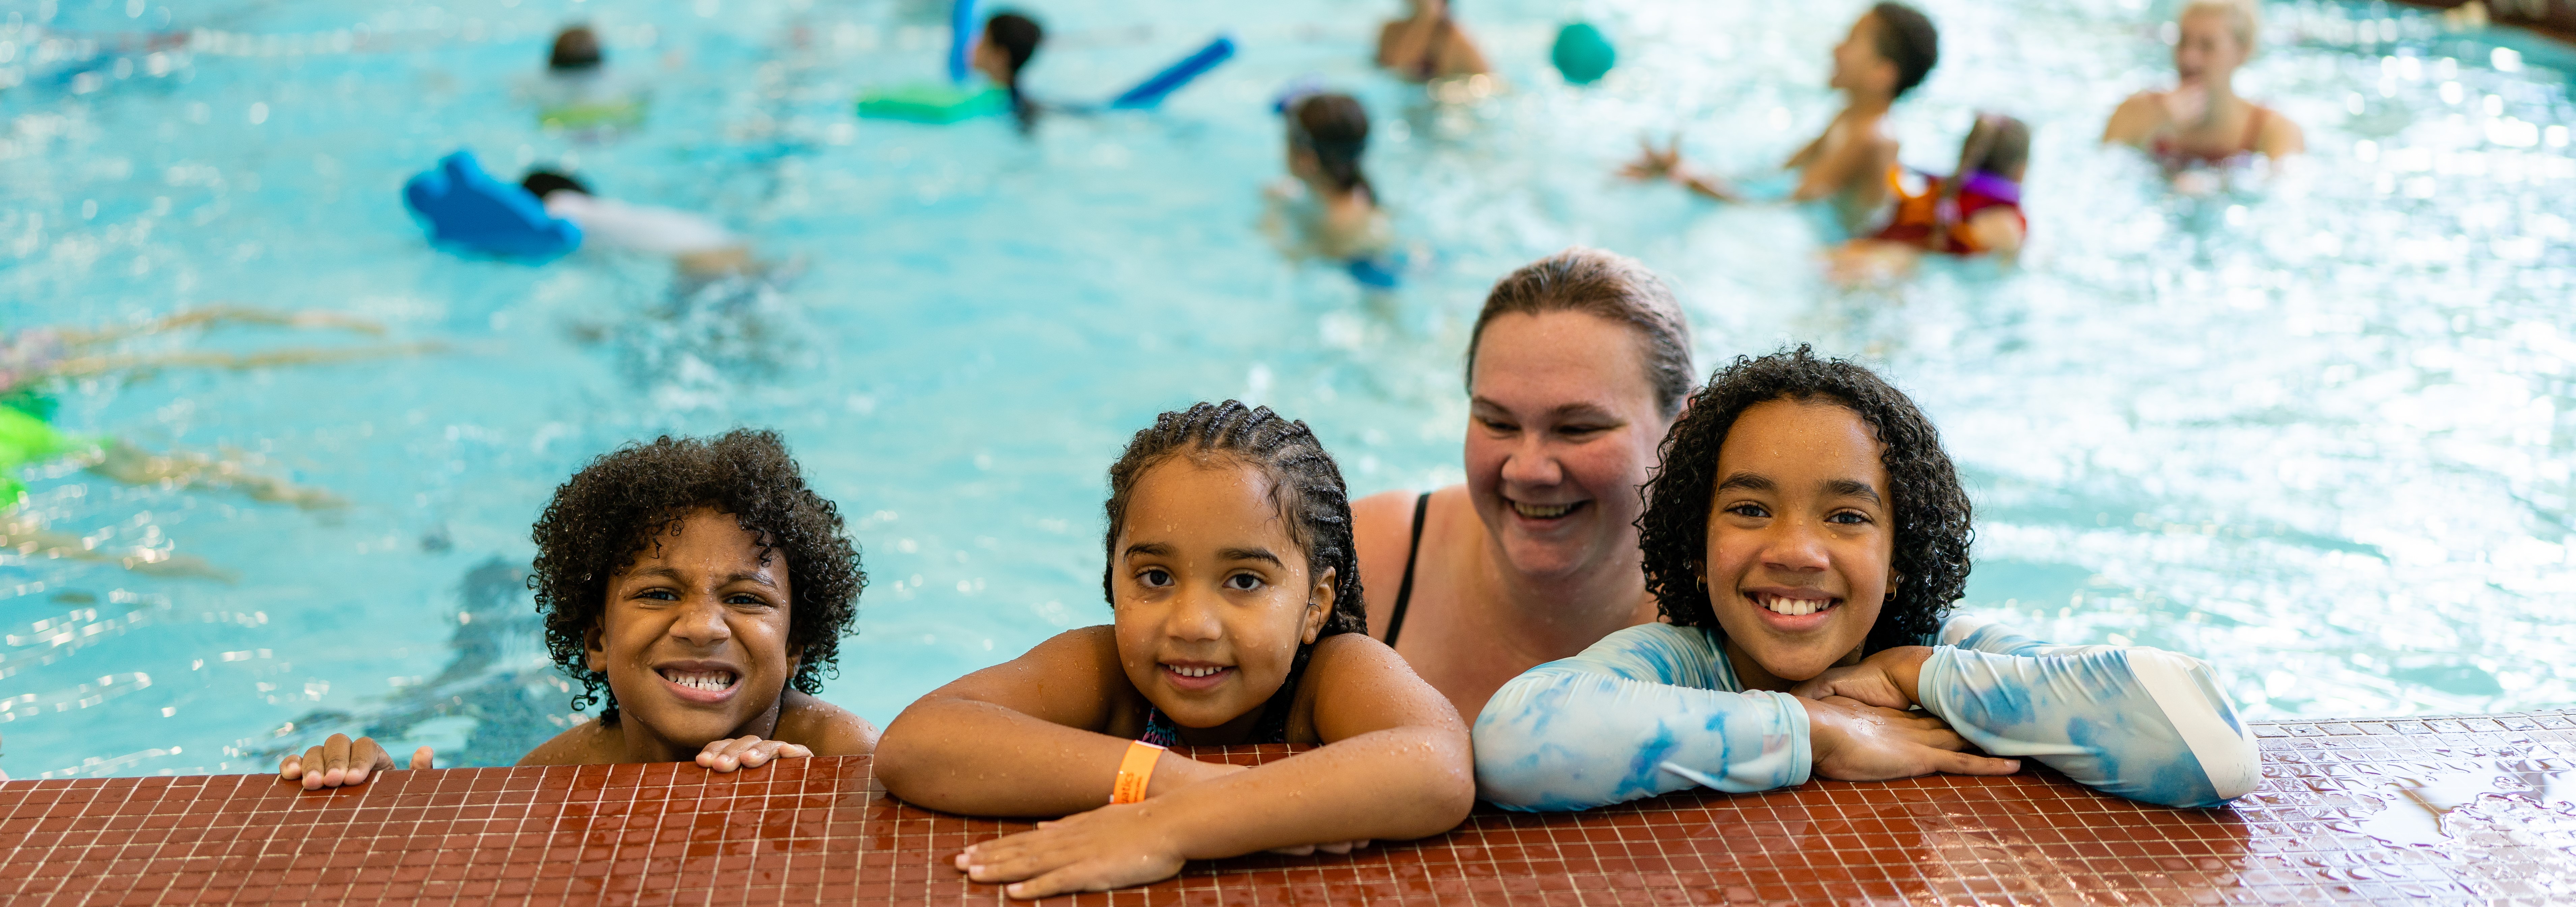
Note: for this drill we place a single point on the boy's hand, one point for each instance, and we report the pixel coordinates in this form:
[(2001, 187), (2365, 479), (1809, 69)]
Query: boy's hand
[(1110, 847), (1855, 741), (1655, 163), (748, 752), (1886, 679), (341, 761)]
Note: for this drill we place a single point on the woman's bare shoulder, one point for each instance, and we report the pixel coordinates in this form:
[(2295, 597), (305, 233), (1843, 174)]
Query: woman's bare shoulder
[(587, 743), (827, 729)]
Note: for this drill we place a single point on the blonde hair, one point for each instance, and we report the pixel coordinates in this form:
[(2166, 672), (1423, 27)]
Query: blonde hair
[(2243, 19)]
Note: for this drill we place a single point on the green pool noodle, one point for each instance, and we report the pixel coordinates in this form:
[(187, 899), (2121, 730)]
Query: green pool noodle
[(620, 113), (930, 102), (26, 439), (1582, 54)]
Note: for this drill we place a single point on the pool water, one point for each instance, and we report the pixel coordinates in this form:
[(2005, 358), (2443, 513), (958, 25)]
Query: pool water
[(2317, 432)]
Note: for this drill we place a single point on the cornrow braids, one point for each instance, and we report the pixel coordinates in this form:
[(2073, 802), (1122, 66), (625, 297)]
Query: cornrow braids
[(1306, 486), (1931, 511)]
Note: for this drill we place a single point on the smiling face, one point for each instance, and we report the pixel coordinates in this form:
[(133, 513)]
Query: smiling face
[(1212, 594), (694, 639), (1857, 63), (2206, 50), (1561, 430), (1800, 537)]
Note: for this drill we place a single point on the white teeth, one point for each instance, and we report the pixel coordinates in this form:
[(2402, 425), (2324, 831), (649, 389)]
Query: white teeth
[(702, 680), (1793, 607), (1542, 512), (1193, 672)]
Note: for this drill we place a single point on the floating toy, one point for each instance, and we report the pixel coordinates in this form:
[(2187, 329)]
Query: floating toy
[(25, 439), (620, 113), (1582, 54), (943, 104), (930, 102), (961, 38), (468, 210)]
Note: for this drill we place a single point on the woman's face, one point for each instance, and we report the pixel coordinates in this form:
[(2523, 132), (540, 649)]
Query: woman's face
[(1212, 595), (1561, 430), (694, 640), (1800, 536), (2206, 50)]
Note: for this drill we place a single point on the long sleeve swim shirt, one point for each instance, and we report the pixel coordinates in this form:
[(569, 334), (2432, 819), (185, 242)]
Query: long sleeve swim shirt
[(1657, 708)]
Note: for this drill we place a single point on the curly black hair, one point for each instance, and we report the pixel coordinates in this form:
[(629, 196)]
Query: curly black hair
[(602, 518), (1306, 486), (1931, 511)]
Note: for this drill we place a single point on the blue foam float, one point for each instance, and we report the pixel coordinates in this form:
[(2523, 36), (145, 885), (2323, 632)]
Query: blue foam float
[(1153, 90), (961, 38), (467, 210), (940, 104)]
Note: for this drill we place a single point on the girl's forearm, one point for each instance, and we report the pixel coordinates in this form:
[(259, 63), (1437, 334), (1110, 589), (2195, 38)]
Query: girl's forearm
[(981, 759), (1395, 784)]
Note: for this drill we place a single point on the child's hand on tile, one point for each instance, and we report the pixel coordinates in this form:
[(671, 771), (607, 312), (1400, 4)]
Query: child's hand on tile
[(341, 761), (1856, 741), (1109, 847), (748, 752)]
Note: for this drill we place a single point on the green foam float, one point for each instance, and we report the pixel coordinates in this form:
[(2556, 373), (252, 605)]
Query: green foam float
[(26, 439), (931, 102), (621, 113), (1582, 54)]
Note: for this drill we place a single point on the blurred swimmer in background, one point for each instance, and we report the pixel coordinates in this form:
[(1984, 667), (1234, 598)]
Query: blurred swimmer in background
[(1010, 40), (1327, 200), (700, 247), (1889, 50), (1976, 210), (579, 92), (2201, 122), (1428, 45)]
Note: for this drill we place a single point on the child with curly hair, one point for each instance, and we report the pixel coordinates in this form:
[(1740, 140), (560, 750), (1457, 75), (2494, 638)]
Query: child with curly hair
[(1805, 536), (1237, 619), (698, 590)]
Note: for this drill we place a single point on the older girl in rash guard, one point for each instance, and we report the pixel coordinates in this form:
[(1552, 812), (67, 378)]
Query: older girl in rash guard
[(1804, 536)]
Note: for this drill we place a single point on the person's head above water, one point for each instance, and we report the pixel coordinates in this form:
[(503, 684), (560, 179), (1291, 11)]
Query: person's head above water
[(576, 49), (1010, 39), (1889, 50), (687, 583), (2214, 37), (1804, 510), (542, 182), (1229, 554), (1327, 134), (1575, 367), (1997, 144)]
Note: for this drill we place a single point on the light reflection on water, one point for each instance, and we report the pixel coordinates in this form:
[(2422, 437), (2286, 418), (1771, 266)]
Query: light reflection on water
[(2317, 431)]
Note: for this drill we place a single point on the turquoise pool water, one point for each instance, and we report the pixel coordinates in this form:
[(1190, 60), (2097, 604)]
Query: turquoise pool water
[(2319, 434)]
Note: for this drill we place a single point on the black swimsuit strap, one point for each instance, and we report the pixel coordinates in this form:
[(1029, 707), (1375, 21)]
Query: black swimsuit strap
[(1412, 555)]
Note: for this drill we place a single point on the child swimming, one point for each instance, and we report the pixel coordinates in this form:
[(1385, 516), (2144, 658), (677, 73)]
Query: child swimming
[(700, 247), (1805, 536), (1329, 198), (1974, 211), (1889, 50), (1010, 41), (1237, 620), (698, 590), (1429, 45)]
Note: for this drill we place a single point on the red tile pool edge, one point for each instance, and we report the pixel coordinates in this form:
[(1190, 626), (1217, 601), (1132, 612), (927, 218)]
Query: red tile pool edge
[(2466, 809)]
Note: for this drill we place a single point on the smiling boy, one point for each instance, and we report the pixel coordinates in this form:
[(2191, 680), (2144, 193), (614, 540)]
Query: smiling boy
[(696, 589)]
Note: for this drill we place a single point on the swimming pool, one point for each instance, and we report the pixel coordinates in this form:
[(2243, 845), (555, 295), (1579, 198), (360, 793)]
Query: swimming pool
[(2320, 436)]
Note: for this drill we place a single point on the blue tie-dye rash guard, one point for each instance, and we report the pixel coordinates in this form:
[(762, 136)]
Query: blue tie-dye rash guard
[(1656, 708)]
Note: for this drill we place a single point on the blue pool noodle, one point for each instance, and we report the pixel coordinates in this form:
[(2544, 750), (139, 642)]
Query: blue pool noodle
[(468, 210), (961, 38), (1152, 91)]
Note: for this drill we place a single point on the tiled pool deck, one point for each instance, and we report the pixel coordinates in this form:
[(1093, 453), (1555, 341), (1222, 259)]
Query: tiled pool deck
[(2447, 810)]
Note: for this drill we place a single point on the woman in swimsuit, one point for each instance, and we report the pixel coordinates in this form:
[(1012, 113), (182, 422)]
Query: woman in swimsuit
[(1236, 619), (1575, 367), (2201, 122), (1429, 45)]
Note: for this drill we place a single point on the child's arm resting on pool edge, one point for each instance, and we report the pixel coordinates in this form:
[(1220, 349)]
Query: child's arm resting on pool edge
[(1644, 712), (2141, 723)]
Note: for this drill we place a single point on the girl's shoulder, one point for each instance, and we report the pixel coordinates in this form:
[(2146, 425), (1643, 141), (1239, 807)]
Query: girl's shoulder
[(827, 729), (588, 743)]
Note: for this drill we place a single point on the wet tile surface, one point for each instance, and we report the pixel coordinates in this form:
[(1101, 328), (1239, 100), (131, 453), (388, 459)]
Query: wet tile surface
[(2428, 811)]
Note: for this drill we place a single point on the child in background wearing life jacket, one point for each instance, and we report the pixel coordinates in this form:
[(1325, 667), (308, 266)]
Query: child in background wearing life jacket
[(700, 589), (1889, 50), (1235, 592), (1974, 211)]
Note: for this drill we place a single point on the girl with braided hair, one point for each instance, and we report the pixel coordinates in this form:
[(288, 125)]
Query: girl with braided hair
[(1237, 619), (1804, 536)]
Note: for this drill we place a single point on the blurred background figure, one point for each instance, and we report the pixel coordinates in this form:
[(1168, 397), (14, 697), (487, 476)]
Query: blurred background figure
[(578, 91), (1010, 41), (1327, 200), (1976, 210), (2201, 122), (698, 246), (1427, 44)]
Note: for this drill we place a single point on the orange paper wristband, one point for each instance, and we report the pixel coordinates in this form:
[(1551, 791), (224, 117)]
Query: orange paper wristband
[(1134, 771)]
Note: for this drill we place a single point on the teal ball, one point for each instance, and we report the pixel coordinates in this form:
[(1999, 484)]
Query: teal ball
[(1582, 53)]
